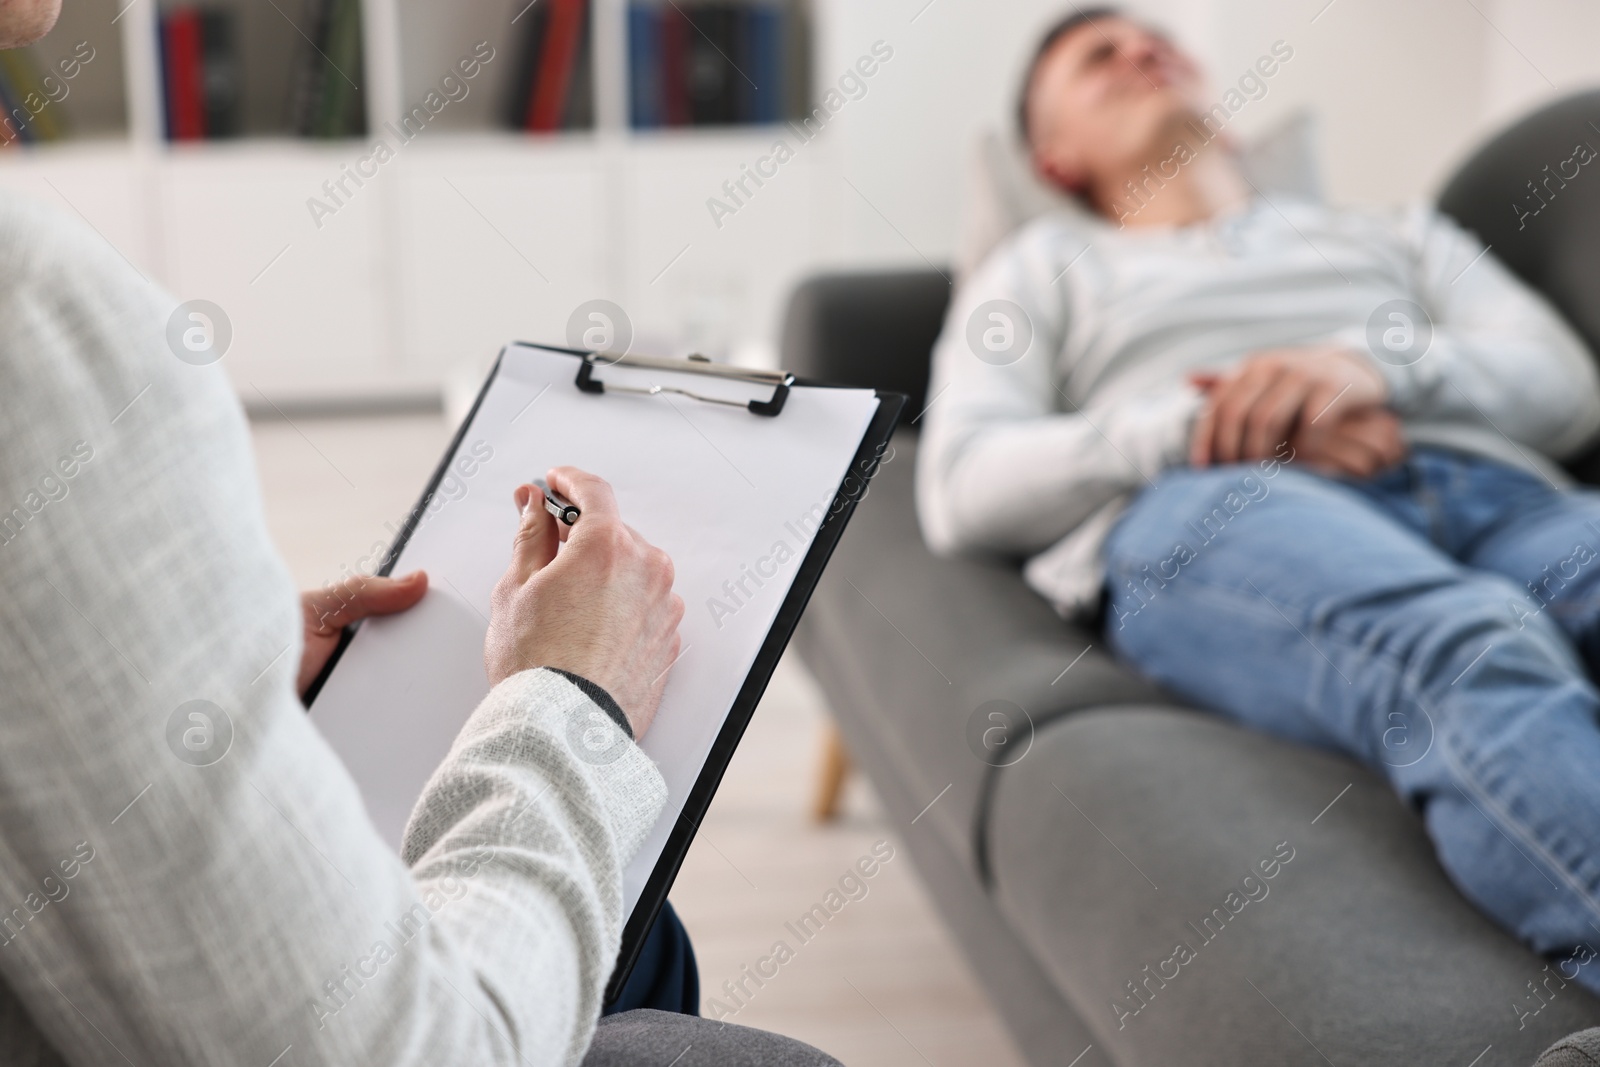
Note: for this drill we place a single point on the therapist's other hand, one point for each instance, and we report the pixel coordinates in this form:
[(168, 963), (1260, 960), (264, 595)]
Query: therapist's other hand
[(328, 611), (602, 609)]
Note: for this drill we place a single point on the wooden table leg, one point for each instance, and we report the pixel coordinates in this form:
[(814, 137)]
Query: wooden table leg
[(834, 769)]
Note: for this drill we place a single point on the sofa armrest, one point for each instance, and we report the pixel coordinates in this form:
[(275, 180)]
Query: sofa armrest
[(1549, 245), (869, 329)]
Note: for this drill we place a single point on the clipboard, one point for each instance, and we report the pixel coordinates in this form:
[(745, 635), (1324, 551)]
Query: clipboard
[(763, 395)]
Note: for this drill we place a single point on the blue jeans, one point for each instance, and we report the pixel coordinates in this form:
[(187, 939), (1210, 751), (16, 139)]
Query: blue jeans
[(1440, 623)]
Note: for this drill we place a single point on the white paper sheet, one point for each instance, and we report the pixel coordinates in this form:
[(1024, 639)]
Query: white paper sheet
[(723, 491)]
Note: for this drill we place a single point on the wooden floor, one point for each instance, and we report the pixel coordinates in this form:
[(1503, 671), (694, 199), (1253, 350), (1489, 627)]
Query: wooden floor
[(881, 984)]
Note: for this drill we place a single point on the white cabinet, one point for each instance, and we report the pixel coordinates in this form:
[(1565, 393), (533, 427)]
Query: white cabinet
[(307, 303), (696, 276), (494, 243)]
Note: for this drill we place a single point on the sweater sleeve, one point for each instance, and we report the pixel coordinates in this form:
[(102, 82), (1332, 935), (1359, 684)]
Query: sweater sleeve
[(1008, 462), (541, 802), (187, 873), (1499, 356)]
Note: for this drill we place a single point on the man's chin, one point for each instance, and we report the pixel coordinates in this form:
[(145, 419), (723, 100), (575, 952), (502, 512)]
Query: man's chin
[(23, 22), (1163, 114)]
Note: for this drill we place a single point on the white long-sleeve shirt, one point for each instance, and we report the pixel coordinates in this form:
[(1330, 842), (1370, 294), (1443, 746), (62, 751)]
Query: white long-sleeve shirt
[(1037, 457), (244, 912)]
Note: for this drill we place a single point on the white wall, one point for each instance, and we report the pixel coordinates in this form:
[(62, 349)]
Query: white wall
[(1396, 86), (1404, 89), (905, 145), (1543, 49)]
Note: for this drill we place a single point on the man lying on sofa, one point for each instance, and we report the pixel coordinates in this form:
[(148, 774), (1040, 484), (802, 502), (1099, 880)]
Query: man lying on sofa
[(1301, 460)]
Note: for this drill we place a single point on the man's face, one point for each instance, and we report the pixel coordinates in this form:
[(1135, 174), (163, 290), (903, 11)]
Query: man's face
[(25, 21), (1103, 95)]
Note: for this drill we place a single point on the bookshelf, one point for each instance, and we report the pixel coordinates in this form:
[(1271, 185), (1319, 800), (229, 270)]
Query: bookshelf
[(468, 235)]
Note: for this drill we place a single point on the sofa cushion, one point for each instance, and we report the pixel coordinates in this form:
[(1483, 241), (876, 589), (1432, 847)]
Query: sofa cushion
[(923, 643), (1121, 829)]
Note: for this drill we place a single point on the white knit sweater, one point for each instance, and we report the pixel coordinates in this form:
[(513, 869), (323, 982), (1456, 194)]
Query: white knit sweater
[(157, 912)]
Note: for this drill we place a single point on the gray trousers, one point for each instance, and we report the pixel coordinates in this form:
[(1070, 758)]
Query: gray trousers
[(1581, 1049), (647, 1038)]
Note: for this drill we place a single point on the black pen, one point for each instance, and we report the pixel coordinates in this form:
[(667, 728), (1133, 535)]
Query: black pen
[(558, 505)]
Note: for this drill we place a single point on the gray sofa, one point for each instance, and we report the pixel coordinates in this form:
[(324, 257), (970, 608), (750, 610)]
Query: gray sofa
[(1067, 873)]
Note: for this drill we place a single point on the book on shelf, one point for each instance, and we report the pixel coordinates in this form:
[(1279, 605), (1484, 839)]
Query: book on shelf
[(717, 63), (14, 128), (578, 111), (644, 68), (325, 99), (199, 73), (219, 73), (673, 64), (306, 88), (180, 74), (11, 133), (762, 41), (712, 71), (553, 86), (28, 114)]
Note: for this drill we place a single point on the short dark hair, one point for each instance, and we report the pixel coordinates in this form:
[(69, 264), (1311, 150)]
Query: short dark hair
[(1079, 17)]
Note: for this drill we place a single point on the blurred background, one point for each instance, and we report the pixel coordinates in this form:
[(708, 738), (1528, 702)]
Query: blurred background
[(379, 193), (579, 162)]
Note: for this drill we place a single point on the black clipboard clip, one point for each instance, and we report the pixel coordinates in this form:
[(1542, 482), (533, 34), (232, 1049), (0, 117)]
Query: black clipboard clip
[(696, 364)]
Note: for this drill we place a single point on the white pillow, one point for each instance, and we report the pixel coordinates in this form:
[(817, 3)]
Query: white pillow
[(1005, 192)]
